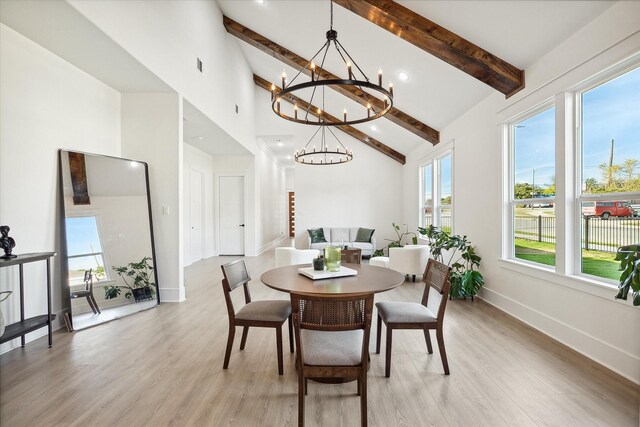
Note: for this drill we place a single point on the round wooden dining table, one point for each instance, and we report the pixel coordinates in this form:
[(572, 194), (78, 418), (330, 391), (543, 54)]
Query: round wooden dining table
[(369, 279)]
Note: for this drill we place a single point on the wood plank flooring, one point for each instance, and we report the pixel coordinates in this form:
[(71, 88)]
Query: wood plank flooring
[(164, 367)]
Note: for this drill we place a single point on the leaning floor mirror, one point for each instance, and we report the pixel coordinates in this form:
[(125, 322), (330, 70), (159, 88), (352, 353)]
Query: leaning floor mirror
[(108, 227)]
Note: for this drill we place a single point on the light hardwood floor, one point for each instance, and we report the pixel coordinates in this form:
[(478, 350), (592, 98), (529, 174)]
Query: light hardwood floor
[(164, 367)]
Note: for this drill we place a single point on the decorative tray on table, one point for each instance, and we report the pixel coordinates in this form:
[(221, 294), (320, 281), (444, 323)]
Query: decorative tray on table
[(325, 274)]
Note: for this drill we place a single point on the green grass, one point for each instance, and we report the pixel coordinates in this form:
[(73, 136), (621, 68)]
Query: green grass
[(595, 263)]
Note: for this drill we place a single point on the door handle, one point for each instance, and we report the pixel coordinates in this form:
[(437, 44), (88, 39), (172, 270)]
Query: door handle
[(241, 225)]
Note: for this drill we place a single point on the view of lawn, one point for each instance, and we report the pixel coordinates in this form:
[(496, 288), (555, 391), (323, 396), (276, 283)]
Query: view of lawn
[(595, 263)]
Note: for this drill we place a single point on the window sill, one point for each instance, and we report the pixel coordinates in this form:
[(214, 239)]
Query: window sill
[(577, 283)]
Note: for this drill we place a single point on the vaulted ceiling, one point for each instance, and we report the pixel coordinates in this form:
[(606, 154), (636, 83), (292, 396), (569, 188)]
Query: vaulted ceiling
[(507, 36)]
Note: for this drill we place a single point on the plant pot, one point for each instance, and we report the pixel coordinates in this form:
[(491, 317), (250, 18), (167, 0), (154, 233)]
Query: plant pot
[(142, 294)]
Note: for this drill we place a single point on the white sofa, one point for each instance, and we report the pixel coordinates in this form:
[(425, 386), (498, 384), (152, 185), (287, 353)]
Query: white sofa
[(293, 256), (337, 236)]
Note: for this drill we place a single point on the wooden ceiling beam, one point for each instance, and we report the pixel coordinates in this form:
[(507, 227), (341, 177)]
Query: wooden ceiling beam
[(440, 42), (355, 94), (349, 130)]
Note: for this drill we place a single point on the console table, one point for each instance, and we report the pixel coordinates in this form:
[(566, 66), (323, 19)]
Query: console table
[(24, 326)]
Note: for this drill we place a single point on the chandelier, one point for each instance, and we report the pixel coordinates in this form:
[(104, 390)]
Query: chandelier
[(323, 156), (304, 111)]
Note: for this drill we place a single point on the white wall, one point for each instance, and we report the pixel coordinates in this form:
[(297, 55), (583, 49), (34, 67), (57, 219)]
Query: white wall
[(202, 162), (366, 192), (167, 37), (152, 132), (45, 104), (271, 214), (581, 315)]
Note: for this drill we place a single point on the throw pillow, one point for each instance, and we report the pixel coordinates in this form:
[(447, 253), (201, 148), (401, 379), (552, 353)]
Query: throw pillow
[(364, 235), (317, 235)]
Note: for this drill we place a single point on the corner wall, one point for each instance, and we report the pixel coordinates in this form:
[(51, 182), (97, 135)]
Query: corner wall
[(152, 132), (45, 104), (580, 315)]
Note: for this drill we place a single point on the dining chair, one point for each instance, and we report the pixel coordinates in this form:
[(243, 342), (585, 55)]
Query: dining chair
[(351, 256), (332, 341), (429, 314), (87, 292), (262, 314)]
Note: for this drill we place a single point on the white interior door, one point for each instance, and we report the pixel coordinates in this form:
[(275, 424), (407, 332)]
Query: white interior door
[(196, 249), (231, 215)]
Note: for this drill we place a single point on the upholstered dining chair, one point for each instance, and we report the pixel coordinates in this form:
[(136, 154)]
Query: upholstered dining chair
[(87, 292), (262, 314), (429, 314), (332, 341)]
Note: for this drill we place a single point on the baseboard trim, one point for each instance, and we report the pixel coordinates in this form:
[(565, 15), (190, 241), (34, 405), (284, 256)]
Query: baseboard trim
[(272, 244), (172, 295), (568, 335)]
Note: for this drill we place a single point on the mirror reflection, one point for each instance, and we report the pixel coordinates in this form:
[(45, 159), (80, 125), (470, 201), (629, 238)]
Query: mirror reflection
[(109, 238)]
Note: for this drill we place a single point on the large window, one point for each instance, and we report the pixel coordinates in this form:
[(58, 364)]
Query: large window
[(533, 187), (84, 249), (596, 129), (609, 194), (436, 190)]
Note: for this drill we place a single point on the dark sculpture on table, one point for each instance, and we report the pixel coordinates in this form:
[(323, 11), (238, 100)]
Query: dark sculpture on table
[(6, 243)]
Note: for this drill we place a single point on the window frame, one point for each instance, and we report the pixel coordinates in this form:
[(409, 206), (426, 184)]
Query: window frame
[(103, 255), (436, 177), (511, 201), (568, 144), (579, 197)]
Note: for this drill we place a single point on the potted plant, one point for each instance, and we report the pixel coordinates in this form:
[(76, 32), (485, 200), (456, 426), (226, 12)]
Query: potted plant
[(137, 278), (461, 256), (629, 257), (402, 239)]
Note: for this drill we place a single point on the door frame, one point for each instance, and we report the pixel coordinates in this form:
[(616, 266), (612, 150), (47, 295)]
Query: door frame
[(202, 214), (216, 208)]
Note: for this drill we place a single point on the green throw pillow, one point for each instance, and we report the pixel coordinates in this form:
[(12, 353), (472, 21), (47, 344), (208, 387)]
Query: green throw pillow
[(317, 235), (364, 235)]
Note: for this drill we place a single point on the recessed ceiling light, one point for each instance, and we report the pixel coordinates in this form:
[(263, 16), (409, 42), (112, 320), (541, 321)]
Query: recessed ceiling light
[(403, 76), (279, 143), (288, 157), (374, 128), (260, 1)]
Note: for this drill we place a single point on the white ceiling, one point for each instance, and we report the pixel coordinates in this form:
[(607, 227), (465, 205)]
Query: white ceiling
[(108, 176), (202, 133), (67, 33), (520, 32)]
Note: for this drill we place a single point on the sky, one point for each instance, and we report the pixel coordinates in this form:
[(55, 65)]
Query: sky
[(445, 178), (82, 238), (609, 111)]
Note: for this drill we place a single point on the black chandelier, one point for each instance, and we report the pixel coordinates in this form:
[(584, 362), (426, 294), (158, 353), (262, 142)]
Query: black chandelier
[(323, 156), (300, 113)]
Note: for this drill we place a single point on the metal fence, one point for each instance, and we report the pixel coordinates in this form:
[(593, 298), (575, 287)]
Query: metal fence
[(444, 220), (597, 234)]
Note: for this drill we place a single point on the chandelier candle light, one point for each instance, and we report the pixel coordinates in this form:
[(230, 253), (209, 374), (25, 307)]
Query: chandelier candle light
[(356, 78)]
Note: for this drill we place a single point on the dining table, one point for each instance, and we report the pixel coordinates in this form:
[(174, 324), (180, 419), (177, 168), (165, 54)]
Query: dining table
[(369, 279)]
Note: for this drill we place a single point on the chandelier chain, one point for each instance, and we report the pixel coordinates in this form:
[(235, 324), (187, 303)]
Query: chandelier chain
[(331, 14)]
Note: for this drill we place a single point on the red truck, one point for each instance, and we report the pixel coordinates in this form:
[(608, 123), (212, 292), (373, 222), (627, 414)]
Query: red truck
[(605, 210)]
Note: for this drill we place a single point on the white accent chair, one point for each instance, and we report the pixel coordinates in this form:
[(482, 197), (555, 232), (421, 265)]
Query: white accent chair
[(293, 256), (410, 259)]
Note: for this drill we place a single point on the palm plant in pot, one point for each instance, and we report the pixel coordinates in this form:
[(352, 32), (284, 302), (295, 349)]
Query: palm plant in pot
[(137, 278), (461, 256)]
